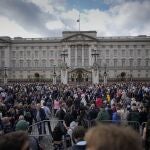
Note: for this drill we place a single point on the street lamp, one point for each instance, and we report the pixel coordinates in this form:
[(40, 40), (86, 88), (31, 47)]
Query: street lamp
[(54, 76), (105, 74)]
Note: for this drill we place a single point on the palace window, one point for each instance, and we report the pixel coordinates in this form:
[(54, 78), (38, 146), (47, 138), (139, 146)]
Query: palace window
[(51, 63), (138, 62), (28, 53), (107, 53), (146, 52), (36, 54), (28, 63), (13, 63), (147, 62), (131, 52), (115, 53), (107, 62), (139, 52), (131, 62), (13, 54), (36, 63), (21, 54), (123, 53), (127, 46), (43, 63), (21, 63), (115, 62), (2, 54), (119, 46), (123, 62), (44, 53)]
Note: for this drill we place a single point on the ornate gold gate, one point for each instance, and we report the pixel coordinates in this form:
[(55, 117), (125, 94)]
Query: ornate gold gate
[(80, 75)]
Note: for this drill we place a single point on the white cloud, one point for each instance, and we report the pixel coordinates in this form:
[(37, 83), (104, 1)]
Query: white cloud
[(52, 25), (10, 28), (129, 17)]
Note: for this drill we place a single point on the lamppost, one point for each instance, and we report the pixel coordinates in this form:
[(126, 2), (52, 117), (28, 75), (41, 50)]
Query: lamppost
[(5, 75), (105, 74), (54, 76)]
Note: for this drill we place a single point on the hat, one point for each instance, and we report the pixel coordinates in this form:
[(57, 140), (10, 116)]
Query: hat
[(22, 125)]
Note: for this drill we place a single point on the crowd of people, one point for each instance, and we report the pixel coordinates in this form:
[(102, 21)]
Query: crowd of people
[(76, 107)]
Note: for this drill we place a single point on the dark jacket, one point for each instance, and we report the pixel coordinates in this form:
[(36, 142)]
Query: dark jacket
[(42, 114)]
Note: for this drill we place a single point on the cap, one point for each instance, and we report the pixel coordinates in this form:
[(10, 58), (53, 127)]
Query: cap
[(22, 125)]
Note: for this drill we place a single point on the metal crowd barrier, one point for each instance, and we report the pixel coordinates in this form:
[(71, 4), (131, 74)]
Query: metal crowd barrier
[(43, 128)]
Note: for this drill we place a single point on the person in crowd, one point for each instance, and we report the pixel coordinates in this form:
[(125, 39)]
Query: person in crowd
[(23, 125), (39, 115), (78, 138), (103, 115), (56, 105), (15, 141), (110, 137), (57, 135), (48, 116)]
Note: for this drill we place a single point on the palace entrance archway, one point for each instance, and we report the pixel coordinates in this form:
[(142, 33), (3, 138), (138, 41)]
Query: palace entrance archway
[(80, 75)]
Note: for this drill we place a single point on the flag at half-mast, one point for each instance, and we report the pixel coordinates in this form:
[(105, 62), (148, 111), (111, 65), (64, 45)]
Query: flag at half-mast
[(78, 20)]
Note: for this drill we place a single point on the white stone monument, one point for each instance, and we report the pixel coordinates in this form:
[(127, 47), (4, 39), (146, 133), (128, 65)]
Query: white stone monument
[(64, 74), (95, 74)]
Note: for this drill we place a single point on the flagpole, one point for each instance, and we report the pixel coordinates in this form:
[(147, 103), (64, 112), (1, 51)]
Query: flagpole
[(79, 22)]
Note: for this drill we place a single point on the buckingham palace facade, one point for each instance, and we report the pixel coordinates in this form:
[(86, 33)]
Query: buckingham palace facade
[(24, 58)]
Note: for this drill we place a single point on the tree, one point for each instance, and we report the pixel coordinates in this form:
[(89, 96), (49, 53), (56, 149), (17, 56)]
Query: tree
[(37, 76), (123, 74)]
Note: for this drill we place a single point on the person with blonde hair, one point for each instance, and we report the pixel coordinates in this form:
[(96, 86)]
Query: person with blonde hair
[(111, 137)]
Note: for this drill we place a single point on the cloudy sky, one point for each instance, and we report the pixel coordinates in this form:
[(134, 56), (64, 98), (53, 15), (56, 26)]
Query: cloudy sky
[(46, 18)]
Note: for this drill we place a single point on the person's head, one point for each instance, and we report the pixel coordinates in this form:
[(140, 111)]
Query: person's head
[(21, 117), (22, 125), (110, 137), (78, 133), (14, 141)]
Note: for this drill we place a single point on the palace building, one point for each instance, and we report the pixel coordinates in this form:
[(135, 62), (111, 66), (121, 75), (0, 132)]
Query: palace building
[(81, 51)]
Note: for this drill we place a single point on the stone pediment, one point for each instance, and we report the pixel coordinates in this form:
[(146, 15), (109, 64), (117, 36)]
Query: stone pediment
[(79, 37)]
